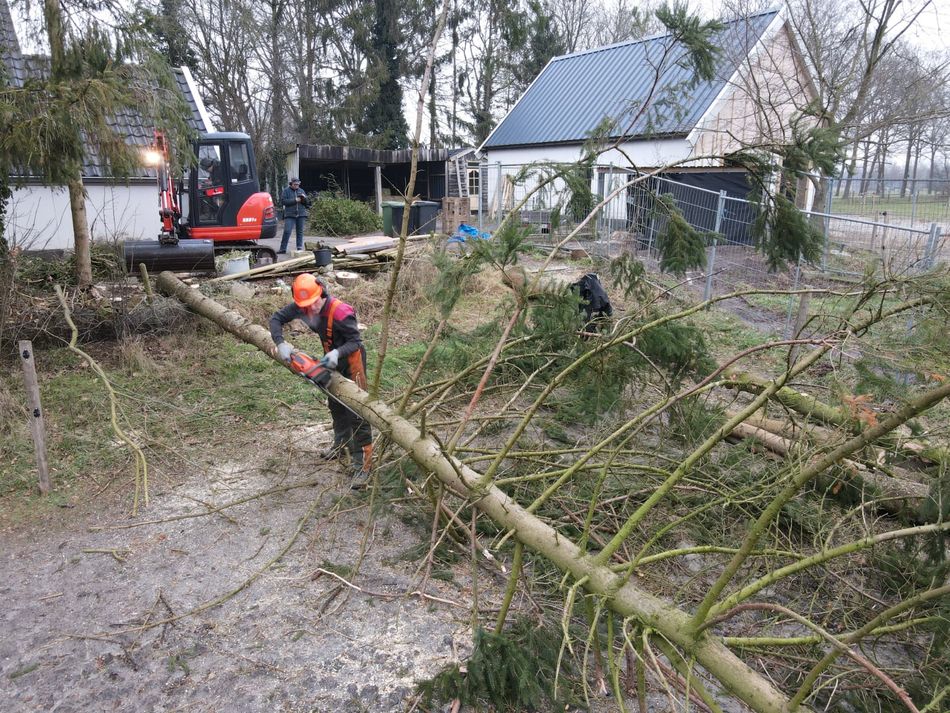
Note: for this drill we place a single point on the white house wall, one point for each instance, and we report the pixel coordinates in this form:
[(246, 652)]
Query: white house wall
[(38, 217), (500, 163)]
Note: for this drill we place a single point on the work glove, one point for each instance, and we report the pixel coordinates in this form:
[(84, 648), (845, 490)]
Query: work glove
[(284, 350), (330, 359)]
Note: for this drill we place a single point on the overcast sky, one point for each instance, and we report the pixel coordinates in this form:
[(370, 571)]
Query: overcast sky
[(931, 31)]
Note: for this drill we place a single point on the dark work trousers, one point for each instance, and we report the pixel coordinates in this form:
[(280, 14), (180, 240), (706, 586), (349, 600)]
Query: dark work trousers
[(349, 429), (347, 426), (289, 224)]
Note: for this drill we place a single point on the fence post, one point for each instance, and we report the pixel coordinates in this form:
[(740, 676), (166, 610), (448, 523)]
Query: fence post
[(913, 208), (800, 320), (930, 259), (498, 195), (710, 268), (791, 298), (826, 223), (481, 180), (36, 413)]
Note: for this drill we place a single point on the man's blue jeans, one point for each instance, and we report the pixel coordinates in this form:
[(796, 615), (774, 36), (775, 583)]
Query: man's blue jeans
[(288, 228)]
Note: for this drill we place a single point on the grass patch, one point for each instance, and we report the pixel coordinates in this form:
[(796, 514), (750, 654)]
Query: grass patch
[(175, 393)]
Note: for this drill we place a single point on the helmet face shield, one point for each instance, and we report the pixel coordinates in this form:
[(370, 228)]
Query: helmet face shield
[(306, 290)]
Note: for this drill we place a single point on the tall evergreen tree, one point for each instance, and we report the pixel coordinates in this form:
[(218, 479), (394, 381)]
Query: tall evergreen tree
[(534, 39), (384, 120), (54, 122), (171, 38)]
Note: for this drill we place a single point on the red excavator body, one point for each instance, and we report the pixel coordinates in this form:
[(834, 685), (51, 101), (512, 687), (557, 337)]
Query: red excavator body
[(216, 206)]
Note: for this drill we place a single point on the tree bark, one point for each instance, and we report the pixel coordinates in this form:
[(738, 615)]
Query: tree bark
[(819, 411), (897, 496), (82, 240), (622, 596), (56, 36)]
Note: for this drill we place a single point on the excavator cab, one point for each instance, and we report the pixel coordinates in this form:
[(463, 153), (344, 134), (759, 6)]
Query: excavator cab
[(217, 206), (225, 200)]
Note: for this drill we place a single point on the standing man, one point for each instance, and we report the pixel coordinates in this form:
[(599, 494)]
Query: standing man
[(335, 322), (295, 202)]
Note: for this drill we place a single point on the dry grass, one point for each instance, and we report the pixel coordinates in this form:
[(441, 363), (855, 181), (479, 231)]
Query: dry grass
[(416, 278), (134, 357), (414, 311)]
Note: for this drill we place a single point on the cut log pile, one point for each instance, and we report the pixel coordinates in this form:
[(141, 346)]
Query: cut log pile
[(364, 255)]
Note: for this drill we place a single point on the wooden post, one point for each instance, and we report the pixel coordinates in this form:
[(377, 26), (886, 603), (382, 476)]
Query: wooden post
[(800, 320), (36, 413), (378, 180), (146, 283)]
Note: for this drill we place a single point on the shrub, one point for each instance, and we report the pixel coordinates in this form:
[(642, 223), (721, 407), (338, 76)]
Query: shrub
[(336, 217)]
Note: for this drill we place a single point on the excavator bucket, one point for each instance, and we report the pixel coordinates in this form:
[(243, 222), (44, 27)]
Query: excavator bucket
[(182, 256)]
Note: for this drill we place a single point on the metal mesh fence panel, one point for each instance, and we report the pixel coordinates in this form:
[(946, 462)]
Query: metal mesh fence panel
[(632, 219), (912, 203), (853, 246)]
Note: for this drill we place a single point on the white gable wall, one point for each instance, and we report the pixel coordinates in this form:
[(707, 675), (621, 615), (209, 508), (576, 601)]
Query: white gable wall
[(38, 217), (759, 101), (503, 162)]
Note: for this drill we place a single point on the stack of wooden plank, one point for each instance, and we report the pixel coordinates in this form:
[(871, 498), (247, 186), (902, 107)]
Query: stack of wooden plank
[(366, 254)]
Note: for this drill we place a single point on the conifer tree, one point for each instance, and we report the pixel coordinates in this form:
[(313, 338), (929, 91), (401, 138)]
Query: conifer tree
[(534, 39), (384, 118), (54, 122)]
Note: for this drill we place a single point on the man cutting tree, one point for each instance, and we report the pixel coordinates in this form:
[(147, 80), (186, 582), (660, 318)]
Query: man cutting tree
[(335, 322)]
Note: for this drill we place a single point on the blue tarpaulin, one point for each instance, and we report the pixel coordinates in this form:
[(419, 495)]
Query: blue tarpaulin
[(468, 232)]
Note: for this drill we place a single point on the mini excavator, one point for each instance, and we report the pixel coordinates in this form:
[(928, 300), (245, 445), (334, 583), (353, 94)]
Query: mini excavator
[(215, 207)]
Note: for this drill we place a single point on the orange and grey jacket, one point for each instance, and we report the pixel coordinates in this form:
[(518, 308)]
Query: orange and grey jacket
[(336, 324)]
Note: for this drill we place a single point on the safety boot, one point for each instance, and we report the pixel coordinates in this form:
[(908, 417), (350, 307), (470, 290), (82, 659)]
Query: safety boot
[(362, 463), (334, 451)]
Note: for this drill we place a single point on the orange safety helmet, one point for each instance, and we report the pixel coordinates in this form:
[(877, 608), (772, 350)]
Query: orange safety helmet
[(307, 290)]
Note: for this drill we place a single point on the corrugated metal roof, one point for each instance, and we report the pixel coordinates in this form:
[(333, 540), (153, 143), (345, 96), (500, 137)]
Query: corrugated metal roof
[(576, 92), (137, 129), (358, 154)]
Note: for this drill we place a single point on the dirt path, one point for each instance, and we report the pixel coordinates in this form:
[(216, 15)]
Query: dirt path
[(288, 642)]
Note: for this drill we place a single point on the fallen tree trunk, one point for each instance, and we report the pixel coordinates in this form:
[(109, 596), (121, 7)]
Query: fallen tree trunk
[(813, 408), (622, 596), (894, 495)]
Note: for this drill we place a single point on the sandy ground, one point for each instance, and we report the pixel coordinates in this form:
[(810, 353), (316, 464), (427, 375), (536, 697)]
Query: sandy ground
[(73, 612)]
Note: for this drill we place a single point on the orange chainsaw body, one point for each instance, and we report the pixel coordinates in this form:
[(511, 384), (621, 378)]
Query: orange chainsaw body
[(310, 369)]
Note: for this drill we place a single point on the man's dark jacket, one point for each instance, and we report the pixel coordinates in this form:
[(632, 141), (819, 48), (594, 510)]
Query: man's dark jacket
[(292, 207)]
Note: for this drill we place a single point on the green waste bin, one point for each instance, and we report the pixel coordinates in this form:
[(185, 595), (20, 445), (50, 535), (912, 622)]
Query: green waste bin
[(389, 210)]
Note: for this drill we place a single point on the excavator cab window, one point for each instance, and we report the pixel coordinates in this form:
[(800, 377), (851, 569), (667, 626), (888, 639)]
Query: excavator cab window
[(211, 187), (240, 162)]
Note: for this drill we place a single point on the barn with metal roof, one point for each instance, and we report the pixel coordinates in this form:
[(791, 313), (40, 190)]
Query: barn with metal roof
[(657, 112)]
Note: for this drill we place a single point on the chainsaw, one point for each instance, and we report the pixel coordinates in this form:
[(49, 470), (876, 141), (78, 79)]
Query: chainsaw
[(318, 375), (310, 369)]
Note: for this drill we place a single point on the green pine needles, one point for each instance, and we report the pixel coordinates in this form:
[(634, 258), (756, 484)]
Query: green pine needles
[(783, 234), (512, 671), (681, 246), (781, 231)]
